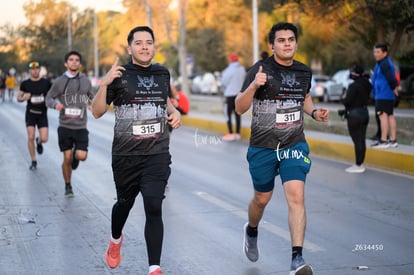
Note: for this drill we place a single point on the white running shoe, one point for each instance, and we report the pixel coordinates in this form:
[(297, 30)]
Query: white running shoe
[(355, 169)]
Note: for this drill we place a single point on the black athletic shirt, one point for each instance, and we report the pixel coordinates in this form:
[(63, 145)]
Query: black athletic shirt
[(140, 103), (38, 90), (278, 105)]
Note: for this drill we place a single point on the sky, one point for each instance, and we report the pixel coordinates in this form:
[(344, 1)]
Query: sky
[(12, 10)]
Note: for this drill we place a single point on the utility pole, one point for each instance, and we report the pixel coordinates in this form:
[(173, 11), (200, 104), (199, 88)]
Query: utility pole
[(95, 43), (148, 13), (182, 49), (69, 30), (255, 30)]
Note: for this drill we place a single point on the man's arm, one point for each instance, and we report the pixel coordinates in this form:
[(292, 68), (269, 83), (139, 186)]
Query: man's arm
[(244, 99), (99, 106), (174, 116), (51, 100), (23, 96)]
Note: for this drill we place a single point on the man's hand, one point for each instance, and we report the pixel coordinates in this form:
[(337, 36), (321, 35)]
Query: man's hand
[(321, 114), (396, 91), (59, 106), (114, 72), (174, 119), (260, 78)]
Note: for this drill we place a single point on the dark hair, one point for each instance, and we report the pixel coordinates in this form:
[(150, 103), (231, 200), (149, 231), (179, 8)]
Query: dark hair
[(264, 55), (73, 53), (358, 69), (139, 29), (382, 46), (282, 26)]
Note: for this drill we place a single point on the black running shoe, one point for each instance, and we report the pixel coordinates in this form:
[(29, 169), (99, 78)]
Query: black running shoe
[(75, 161), (68, 191), (33, 167), (39, 146)]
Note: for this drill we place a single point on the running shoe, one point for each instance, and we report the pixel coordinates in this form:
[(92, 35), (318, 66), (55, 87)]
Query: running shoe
[(355, 169), (393, 143), (250, 247), (381, 144), (228, 137), (68, 191), (113, 255), (299, 267), (237, 136), (33, 167), (75, 161), (39, 146), (158, 271)]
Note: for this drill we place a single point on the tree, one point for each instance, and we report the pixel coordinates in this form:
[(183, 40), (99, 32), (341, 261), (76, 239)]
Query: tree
[(10, 48), (46, 35), (358, 25), (207, 49)]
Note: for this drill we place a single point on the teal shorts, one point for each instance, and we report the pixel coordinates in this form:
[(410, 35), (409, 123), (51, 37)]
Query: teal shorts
[(290, 163)]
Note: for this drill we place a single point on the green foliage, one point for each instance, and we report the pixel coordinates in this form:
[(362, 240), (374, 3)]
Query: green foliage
[(207, 48), (171, 56)]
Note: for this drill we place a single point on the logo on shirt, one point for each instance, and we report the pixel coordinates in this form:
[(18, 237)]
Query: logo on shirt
[(146, 82), (289, 80)]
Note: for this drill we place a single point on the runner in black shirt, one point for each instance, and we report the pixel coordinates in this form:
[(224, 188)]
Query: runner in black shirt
[(34, 90), (139, 92), (278, 88)]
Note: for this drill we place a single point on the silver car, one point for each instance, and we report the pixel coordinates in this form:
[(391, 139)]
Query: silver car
[(325, 89)]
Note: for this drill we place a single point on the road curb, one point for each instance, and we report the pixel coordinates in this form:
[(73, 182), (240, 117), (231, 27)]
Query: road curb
[(388, 159)]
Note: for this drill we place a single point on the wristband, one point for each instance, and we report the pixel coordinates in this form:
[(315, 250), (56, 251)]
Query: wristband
[(313, 113)]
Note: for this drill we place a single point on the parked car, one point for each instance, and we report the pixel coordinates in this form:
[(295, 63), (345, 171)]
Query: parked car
[(342, 77), (325, 89), (205, 84), (406, 89)]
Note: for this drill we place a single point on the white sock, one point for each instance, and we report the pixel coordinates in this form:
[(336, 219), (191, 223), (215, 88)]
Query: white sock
[(116, 241), (153, 267)]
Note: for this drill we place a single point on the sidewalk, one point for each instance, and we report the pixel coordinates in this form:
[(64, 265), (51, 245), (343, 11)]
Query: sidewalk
[(400, 159)]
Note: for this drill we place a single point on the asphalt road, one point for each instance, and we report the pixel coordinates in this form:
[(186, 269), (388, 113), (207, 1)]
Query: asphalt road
[(353, 220)]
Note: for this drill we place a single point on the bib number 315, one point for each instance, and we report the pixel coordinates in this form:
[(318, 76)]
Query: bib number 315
[(146, 130)]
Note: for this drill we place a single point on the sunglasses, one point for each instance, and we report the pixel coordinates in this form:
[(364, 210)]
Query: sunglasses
[(34, 65)]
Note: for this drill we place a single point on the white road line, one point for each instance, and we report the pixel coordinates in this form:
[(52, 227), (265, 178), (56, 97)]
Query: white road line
[(284, 234)]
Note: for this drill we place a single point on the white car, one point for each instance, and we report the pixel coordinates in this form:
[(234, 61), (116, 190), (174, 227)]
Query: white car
[(325, 89), (342, 77), (205, 84)]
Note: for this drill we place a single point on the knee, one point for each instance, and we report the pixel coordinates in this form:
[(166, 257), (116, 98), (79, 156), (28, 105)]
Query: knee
[(261, 201), (81, 155), (153, 207), (124, 203)]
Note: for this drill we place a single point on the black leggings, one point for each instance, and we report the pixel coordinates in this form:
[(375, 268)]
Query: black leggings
[(154, 227), (358, 119), (231, 108)]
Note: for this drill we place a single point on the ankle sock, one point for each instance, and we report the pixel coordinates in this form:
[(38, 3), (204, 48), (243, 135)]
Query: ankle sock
[(251, 231), (116, 241), (153, 268), (296, 251)]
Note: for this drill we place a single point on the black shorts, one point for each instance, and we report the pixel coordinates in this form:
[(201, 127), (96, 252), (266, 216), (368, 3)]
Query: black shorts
[(38, 118), (384, 106), (146, 174), (69, 139)]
